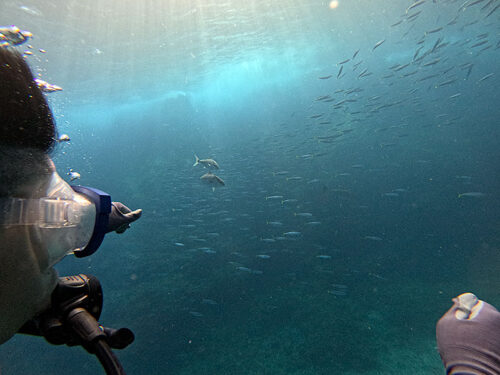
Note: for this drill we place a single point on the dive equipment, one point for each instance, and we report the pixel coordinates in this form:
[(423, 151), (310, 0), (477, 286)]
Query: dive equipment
[(102, 203), (72, 320)]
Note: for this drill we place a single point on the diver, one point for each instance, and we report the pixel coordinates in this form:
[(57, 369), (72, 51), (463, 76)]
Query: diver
[(42, 218), (468, 337)]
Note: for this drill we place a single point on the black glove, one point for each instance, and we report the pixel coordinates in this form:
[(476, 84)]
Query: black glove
[(468, 337), (121, 216)]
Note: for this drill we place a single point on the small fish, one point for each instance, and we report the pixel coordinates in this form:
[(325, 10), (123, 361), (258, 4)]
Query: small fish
[(207, 301), (434, 30), (487, 4), (268, 240), (486, 76), (414, 5), (337, 292), (340, 71), (324, 256), (391, 194), (311, 223), (339, 286), (401, 190), (213, 180), (472, 194), (274, 197), (400, 67), (492, 11), (323, 97), (303, 214), (474, 3), (32, 11), (207, 163), (263, 256), (373, 238), (453, 21), (344, 61), (196, 314), (244, 269), (363, 72), (325, 77), (274, 223), (479, 44), (292, 234), (180, 244), (378, 44), (433, 62), (327, 137), (355, 54), (448, 82)]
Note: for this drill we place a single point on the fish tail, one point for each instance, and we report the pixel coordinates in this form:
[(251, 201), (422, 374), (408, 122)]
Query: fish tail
[(197, 160)]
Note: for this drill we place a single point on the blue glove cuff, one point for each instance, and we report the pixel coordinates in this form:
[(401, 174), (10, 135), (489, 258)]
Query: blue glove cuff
[(102, 202)]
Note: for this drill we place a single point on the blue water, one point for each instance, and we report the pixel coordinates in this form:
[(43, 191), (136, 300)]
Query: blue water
[(377, 154)]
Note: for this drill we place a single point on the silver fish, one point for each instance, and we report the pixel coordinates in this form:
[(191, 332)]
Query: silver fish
[(207, 163), (378, 44), (472, 194), (212, 180)]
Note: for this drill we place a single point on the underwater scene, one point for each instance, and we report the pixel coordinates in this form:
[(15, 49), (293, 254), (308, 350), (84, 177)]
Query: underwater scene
[(318, 178)]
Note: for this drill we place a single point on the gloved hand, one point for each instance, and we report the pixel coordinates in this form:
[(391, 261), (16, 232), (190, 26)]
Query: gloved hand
[(468, 337), (121, 216)]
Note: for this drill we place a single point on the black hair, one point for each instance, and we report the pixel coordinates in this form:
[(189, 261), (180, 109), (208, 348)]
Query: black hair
[(27, 128), (26, 120)]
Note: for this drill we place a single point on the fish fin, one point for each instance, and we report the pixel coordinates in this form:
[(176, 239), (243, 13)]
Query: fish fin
[(197, 161)]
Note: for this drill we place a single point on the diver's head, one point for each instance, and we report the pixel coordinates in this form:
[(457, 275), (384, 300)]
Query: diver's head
[(26, 118), (27, 131)]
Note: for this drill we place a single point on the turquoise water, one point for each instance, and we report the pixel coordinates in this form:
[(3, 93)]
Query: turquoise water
[(371, 163)]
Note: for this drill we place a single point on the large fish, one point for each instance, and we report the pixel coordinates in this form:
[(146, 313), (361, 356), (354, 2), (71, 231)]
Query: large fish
[(207, 163), (212, 180)]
